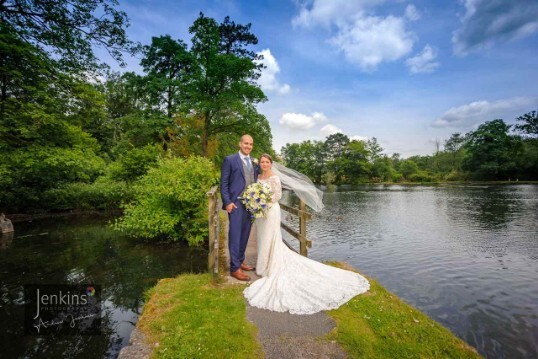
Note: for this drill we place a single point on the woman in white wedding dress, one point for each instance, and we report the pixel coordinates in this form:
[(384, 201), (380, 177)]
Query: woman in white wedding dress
[(291, 282)]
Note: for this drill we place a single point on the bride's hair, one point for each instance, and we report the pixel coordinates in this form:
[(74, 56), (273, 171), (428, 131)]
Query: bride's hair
[(266, 156)]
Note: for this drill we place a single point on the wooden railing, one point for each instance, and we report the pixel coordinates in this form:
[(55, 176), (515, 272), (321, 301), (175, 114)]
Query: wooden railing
[(303, 215), (213, 222)]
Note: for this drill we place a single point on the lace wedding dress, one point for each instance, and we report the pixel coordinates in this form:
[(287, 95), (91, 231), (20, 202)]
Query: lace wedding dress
[(291, 282)]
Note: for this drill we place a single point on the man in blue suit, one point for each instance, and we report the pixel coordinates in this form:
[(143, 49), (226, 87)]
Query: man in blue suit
[(238, 171)]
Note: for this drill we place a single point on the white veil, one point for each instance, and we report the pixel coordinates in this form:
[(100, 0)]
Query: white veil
[(300, 184)]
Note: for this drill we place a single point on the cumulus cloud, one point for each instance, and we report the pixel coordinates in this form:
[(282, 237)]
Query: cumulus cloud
[(486, 22), (268, 80), (365, 39), (480, 111), (299, 121), (424, 61), (329, 129), (371, 40)]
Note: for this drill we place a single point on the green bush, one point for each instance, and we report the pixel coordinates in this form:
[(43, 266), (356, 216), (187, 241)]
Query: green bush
[(422, 176), (134, 163), (170, 201), (454, 176), (101, 195), (397, 177)]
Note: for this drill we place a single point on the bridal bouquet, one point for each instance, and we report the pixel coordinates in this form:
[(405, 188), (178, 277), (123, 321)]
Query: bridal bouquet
[(256, 198)]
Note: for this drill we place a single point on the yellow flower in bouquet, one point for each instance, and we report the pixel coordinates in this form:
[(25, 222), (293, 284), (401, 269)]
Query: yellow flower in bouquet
[(256, 199)]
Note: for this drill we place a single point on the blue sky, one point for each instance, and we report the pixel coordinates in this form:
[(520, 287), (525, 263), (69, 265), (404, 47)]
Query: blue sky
[(406, 72)]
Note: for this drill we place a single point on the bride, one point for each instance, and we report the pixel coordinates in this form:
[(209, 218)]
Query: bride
[(291, 282)]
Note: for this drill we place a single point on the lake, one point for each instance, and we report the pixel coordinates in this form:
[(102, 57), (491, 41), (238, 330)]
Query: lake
[(467, 255)]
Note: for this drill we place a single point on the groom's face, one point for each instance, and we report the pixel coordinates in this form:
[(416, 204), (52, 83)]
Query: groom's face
[(246, 144)]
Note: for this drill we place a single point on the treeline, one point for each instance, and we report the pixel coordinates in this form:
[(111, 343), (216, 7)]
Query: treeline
[(74, 135), (495, 151)]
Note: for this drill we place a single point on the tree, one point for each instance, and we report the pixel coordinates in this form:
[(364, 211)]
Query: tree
[(353, 164), (306, 157), (335, 145), (453, 146), (44, 124), (491, 151), (530, 123), (382, 169), (69, 28), (408, 168), (374, 149), (166, 62), (221, 89)]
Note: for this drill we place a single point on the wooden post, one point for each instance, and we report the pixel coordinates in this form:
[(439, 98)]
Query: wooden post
[(213, 222), (302, 230)]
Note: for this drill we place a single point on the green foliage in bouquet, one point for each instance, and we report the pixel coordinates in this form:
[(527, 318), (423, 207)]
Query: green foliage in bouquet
[(170, 201)]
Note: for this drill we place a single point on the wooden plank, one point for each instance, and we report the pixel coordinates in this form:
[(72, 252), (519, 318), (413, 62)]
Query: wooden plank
[(295, 211), (290, 231), (212, 222), (302, 229)]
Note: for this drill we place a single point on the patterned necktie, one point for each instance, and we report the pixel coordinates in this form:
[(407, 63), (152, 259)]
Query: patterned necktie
[(247, 160)]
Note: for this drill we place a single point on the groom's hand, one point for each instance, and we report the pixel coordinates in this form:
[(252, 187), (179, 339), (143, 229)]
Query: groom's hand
[(230, 207)]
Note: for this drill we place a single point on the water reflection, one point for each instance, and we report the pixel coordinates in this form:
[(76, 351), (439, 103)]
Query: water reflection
[(467, 256), (83, 249)]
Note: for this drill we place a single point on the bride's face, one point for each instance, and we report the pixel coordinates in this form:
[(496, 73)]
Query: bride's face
[(265, 164)]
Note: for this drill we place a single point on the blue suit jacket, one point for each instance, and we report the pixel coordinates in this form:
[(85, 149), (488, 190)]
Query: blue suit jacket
[(232, 179)]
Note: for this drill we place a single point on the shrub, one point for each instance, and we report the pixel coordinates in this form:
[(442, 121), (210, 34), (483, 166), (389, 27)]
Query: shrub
[(170, 201), (421, 176), (101, 195), (134, 163)]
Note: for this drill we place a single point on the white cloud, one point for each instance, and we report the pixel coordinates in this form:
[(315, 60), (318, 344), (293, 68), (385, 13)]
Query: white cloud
[(486, 22), (481, 111), (301, 121), (371, 40), (330, 129), (359, 138), (411, 13), (424, 61), (268, 80), (365, 39), (326, 12)]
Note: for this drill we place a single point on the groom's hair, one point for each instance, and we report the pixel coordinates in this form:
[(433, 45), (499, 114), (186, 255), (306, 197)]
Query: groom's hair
[(267, 156)]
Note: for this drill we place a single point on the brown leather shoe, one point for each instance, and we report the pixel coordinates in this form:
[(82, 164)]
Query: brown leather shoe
[(238, 274), (246, 267)]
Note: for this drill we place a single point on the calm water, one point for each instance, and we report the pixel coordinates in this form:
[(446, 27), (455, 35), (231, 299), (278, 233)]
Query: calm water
[(465, 255), (82, 250)]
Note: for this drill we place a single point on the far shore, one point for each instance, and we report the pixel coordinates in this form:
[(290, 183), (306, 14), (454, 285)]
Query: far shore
[(21, 217)]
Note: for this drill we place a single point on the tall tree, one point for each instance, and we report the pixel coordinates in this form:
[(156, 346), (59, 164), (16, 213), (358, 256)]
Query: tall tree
[(221, 88), (166, 62)]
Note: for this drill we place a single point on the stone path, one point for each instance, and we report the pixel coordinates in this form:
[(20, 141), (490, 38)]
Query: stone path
[(285, 335)]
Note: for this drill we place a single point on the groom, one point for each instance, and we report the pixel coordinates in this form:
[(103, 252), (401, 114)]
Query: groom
[(237, 173)]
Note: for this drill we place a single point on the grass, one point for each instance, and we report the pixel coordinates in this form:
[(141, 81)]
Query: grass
[(378, 324), (192, 317), (189, 317)]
